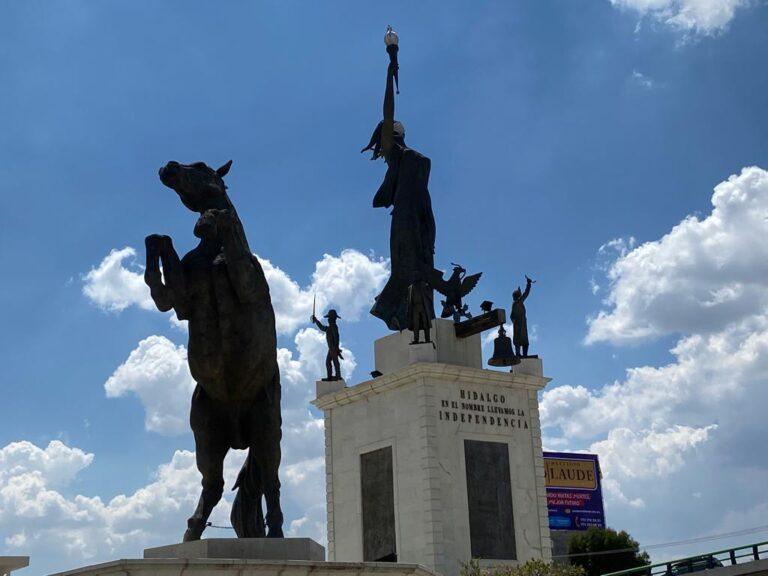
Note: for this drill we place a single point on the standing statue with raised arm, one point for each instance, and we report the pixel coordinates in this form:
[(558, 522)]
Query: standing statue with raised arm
[(220, 288), (519, 320), (412, 232), (334, 344)]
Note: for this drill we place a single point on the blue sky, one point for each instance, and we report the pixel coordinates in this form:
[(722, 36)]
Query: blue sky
[(569, 140)]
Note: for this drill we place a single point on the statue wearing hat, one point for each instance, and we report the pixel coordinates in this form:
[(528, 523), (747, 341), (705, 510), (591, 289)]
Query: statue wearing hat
[(405, 190), (519, 320), (332, 338)]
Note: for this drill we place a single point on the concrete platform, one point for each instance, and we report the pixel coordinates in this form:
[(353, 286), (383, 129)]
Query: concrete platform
[(222, 567), (10, 563), (242, 548)]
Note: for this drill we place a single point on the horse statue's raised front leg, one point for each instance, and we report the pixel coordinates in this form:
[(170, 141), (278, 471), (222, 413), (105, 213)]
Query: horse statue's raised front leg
[(171, 293)]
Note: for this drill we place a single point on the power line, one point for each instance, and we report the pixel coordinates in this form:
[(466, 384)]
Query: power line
[(709, 538)]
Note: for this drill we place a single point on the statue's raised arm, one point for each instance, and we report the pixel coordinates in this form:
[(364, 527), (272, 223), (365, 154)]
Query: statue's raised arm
[(405, 189), (387, 126)]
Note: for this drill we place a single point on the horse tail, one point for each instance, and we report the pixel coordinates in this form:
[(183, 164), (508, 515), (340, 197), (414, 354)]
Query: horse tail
[(247, 516)]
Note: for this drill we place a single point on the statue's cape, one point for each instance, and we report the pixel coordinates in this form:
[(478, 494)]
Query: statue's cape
[(408, 169)]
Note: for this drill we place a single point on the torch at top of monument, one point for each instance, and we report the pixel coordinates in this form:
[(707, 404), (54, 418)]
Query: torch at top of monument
[(391, 41), (405, 189)]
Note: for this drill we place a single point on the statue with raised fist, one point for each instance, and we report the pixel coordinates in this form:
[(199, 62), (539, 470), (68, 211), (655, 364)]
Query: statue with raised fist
[(519, 319)]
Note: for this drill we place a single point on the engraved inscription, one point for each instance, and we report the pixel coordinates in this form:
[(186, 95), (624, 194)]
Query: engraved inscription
[(483, 408)]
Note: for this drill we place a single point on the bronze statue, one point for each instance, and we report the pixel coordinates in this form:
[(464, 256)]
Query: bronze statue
[(220, 287), (332, 338), (419, 307), (519, 320), (412, 232), (454, 289)]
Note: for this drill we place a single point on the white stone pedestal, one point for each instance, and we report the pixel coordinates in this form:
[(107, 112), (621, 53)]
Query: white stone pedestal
[(323, 387), (10, 563), (243, 556), (239, 567), (414, 437), (242, 548)]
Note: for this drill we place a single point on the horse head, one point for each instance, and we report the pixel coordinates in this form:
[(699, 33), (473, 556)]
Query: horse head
[(199, 186)]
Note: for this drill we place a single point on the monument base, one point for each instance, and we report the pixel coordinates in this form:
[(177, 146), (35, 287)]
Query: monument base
[(236, 556), (242, 548), (436, 460), (238, 567)]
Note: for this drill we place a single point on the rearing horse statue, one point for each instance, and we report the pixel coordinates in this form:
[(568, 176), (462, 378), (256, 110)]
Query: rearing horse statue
[(220, 287)]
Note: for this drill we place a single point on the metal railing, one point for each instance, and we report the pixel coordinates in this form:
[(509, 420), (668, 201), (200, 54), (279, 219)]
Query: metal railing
[(727, 557)]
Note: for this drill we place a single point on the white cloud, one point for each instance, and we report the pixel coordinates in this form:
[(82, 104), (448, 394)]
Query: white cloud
[(61, 530), (348, 282), (114, 286), (57, 529), (641, 80), (158, 373), (59, 463), (698, 278), (629, 454), (705, 17), (674, 435)]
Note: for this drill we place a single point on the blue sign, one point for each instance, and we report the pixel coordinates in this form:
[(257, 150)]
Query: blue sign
[(574, 493)]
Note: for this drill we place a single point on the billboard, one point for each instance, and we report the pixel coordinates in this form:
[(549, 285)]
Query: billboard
[(574, 494)]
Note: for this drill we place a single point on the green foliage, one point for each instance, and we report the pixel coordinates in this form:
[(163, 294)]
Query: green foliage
[(602, 540), (530, 568)]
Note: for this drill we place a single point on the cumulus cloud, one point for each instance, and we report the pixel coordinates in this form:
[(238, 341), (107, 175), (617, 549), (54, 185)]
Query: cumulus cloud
[(348, 282), (630, 454), (701, 276), (57, 462), (41, 517), (157, 372), (662, 430), (53, 526), (118, 282), (705, 17)]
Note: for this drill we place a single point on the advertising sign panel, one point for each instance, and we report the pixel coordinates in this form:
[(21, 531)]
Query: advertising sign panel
[(574, 494)]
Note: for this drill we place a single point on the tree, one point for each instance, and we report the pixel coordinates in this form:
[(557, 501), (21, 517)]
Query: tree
[(530, 568), (596, 540)]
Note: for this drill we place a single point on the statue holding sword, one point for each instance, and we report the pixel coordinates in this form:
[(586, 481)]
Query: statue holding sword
[(332, 338)]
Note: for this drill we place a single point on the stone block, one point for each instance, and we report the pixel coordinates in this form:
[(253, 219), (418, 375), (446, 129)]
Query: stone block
[(426, 352), (242, 548), (323, 387), (532, 366), (395, 351)]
